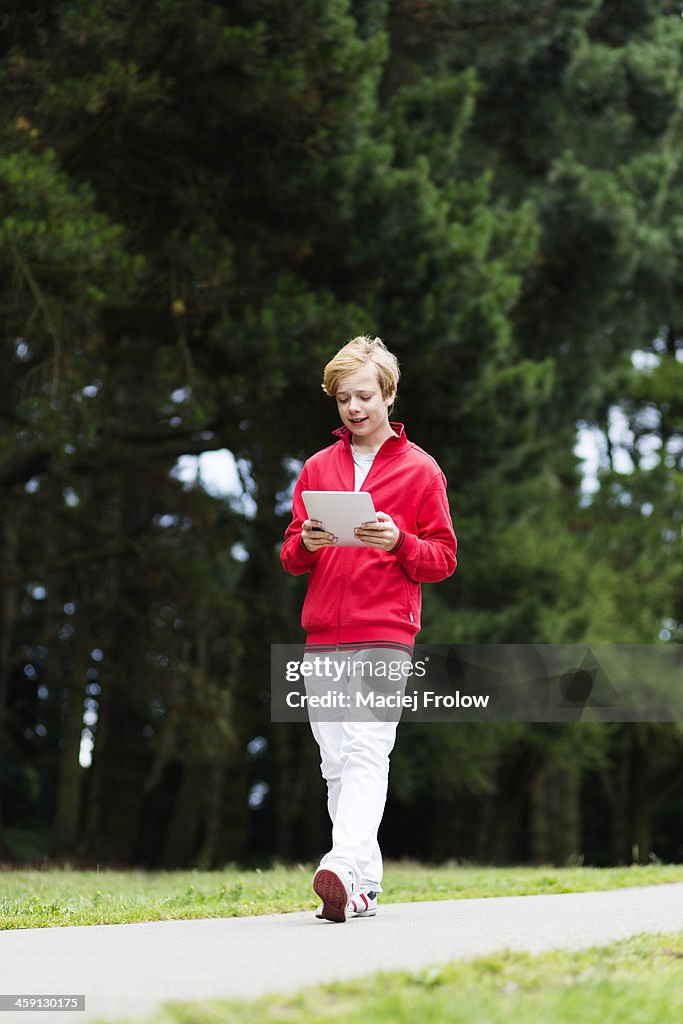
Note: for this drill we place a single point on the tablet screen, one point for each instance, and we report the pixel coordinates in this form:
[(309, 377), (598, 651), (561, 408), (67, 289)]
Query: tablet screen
[(341, 512)]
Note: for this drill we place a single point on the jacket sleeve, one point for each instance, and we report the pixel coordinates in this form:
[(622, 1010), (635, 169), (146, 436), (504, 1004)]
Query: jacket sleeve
[(295, 558), (429, 555)]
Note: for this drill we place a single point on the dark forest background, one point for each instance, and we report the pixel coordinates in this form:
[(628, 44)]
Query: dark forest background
[(200, 203)]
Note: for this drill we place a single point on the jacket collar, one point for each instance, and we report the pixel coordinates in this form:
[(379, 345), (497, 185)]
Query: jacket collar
[(391, 445)]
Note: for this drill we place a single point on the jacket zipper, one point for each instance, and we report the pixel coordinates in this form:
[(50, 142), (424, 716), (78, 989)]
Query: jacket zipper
[(341, 601), (346, 557)]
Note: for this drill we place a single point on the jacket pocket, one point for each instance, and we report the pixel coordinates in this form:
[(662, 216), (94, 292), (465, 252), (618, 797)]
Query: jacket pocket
[(414, 601), (408, 606), (376, 593)]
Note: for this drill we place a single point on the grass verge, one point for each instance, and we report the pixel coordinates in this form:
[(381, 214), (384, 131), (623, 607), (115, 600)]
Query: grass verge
[(636, 981), (42, 899)]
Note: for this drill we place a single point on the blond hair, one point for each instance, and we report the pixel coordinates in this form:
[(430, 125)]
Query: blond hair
[(354, 356)]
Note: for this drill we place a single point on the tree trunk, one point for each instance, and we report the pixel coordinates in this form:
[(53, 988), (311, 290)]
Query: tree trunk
[(540, 824), (214, 814), (640, 817), (555, 832), (284, 807), (619, 798), (181, 837), (69, 789), (443, 844), (120, 757), (503, 838), (8, 618)]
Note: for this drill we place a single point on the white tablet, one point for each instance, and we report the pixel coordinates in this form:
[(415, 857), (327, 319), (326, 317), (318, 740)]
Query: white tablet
[(341, 512)]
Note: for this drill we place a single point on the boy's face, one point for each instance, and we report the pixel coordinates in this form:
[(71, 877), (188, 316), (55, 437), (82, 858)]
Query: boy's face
[(360, 403)]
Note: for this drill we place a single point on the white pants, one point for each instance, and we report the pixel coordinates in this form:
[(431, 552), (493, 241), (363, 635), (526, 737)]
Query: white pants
[(355, 743)]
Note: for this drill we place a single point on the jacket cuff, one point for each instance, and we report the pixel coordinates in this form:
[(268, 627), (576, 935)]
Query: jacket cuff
[(406, 548), (399, 543)]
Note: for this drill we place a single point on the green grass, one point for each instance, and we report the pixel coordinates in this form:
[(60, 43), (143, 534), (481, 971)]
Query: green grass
[(636, 981), (54, 897)]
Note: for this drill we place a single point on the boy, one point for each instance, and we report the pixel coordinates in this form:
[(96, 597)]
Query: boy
[(363, 603)]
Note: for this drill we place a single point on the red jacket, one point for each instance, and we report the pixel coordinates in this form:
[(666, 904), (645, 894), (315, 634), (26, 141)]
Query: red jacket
[(362, 596)]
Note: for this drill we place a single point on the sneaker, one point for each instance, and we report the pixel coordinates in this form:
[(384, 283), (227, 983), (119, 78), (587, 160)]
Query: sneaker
[(334, 886), (363, 903)]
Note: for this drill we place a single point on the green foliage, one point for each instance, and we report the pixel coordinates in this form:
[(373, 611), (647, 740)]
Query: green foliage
[(199, 206)]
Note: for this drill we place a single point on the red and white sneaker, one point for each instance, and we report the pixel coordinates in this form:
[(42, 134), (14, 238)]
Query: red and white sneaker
[(334, 885), (363, 903)]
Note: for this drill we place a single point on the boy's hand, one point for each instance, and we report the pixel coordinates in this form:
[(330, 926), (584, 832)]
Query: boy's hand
[(314, 537), (382, 535)]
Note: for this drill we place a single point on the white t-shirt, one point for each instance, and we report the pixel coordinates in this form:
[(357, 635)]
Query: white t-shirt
[(362, 464)]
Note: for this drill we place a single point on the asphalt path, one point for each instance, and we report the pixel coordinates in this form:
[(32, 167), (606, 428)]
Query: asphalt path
[(126, 971)]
